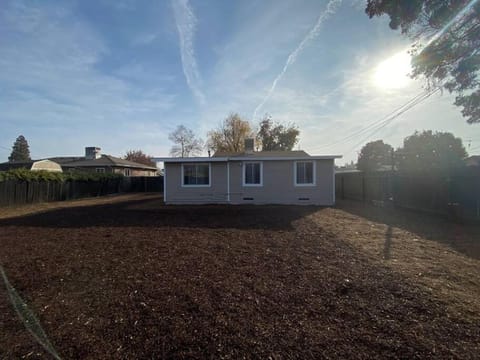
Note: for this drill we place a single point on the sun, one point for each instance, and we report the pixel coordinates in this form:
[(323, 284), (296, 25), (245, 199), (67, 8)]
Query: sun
[(392, 73)]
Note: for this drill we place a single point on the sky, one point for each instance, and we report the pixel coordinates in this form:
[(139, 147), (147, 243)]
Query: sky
[(124, 74)]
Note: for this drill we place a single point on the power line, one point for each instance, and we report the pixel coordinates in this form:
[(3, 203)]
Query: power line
[(389, 120), (381, 122)]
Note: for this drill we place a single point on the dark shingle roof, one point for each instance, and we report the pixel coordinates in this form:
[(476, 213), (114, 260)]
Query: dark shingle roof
[(108, 160), (16, 165), (473, 160), (65, 159)]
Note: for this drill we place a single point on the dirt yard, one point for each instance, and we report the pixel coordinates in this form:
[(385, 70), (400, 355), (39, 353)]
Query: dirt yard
[(130, 278)]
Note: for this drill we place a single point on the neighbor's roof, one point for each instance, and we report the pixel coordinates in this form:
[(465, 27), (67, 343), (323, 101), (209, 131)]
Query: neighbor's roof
[(22, 164), (65, 159), (257, 155), (16, 165), (108, 160), (473, 160)]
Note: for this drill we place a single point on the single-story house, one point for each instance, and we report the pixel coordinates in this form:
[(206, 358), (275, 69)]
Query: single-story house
[(263, 177), (94, 161), (34, 165)]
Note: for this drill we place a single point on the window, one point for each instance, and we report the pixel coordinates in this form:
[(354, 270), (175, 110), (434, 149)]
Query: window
[(100, 170), (304, 173), (196, 174), (126, 172), (252, 174)]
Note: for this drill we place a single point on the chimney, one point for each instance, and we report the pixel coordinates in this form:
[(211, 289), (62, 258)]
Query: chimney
[(249, 145), (92, 153)]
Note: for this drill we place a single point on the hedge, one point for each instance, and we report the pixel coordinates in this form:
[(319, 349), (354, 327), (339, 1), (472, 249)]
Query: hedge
[(29, 175)]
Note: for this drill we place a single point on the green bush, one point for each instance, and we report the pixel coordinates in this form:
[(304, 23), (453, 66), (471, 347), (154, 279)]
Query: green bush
[(28, 175)]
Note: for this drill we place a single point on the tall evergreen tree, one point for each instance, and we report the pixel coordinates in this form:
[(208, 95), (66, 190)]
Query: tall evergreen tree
[(20, 150)]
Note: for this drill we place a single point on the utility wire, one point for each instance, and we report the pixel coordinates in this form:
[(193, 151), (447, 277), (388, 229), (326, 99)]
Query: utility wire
[(379, 122), (393, 117)]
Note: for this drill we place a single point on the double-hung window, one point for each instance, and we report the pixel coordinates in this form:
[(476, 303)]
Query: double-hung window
[(252, 174), (196, 174), (304, 173)]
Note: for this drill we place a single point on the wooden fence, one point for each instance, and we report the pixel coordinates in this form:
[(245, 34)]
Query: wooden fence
[(17, 192), (457, 196)]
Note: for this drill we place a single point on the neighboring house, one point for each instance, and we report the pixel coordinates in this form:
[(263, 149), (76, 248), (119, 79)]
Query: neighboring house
[(473, 161), (94, 161), (34, 165), (264, 177)]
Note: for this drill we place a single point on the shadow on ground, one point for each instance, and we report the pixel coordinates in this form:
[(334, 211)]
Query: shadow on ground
[(464, 238), (154, 213)]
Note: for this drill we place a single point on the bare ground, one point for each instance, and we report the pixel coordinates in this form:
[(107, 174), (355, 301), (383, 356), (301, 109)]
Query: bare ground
[(127, 278)]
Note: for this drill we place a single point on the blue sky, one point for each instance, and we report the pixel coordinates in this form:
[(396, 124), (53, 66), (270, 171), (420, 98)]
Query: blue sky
[(123, 74)]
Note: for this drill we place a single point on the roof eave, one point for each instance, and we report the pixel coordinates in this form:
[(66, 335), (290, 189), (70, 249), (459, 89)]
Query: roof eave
[(243, 158)]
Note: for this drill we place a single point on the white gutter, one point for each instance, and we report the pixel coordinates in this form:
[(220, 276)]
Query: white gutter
[(245, 158)]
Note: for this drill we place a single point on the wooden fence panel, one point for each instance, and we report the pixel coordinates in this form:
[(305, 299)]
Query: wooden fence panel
[(18, 192), (458, 195)]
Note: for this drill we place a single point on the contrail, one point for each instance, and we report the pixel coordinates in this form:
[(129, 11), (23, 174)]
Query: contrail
[(186, 22), (332, 7)]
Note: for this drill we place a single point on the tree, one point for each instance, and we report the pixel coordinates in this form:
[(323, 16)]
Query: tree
[(231, 135), (140, 157), (186, 143), (431, 153), (20, 150), (451, 56), (275, 136), (374, 155)]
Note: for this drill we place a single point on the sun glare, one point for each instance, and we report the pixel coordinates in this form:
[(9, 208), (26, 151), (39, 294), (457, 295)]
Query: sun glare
[(392, 73)]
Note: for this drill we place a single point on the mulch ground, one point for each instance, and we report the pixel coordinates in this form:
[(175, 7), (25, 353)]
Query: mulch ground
[(134, 279)]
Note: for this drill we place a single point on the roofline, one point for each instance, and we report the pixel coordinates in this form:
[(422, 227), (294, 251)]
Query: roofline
[(73, 165), (242, 158)]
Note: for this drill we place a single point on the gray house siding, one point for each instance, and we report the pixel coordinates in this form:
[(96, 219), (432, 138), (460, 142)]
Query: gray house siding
[(175, 193), (278, 185)]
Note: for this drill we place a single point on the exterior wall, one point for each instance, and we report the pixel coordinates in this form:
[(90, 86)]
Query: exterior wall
[(135, 172), (115, 170), (108, 169), (278, 185), (216, 193)]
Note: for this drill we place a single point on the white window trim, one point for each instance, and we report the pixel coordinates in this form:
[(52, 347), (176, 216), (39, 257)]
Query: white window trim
[(261, 173), (125, 171), (199, 185), (314, 183), (100, 170)]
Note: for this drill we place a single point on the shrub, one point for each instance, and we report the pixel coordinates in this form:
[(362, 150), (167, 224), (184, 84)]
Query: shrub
[(28, 175)]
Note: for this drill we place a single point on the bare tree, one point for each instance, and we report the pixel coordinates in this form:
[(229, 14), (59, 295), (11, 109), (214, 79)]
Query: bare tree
[(186, 143)]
